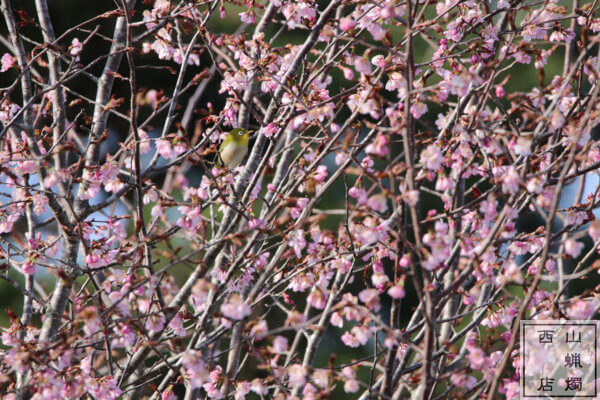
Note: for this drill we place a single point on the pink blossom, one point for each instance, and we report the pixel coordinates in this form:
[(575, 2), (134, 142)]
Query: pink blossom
[(351, 386), (370, 297), (477, 358), (297, 375), (262, 260), (397, 81), (235, 309), (348, 73), (301, 282), (432, 157), (260, 329), (359, 194), (512, 390), (317, 298), (75, 48), (195, 368), (124, 337), (492, 320), (520, 248), (379, 147), (350, 340), (463, 380), (270, 130), (7, 62), (459, 84), (157, 211), (298, 11), (500, 91), (396, 292), (107, 390), (533, 31), (348, 373), (321, 377), (341, 264), (581, 309), (468, 299), (92, 322), (363, 103), (259, 387), (256, 223), (411, 197), (362, 65), (378, 202), (379, 280), (280, 345), (177, 325), (522, 147), (388, 10), (379, 61), (28, 267), (212, 390), (346, 23), (295, 318), (165, 149), (155, 323), (361, 333), (521, 57), (418, 109), (511, 181), (9, 337), (337, 320), (565, 35), (573, 247), (248, 17), (404, 261), (320, 174), (242, 389), (151, 97), (168, 394), (297, 242)]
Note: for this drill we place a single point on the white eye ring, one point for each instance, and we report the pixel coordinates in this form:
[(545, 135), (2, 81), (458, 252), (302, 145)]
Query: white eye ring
[(240, 133)]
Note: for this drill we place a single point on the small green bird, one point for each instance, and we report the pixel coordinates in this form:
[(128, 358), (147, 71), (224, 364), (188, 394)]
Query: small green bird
[(234, 148)]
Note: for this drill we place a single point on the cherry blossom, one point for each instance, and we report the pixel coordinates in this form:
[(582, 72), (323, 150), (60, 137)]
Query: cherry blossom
[(7, 62)]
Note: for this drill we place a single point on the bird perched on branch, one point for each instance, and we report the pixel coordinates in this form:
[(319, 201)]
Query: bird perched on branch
[(234, 148)]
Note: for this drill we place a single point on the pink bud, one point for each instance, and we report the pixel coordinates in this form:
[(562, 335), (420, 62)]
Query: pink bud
[(348, 73), (404, 261), (500, 91), (396, 292)]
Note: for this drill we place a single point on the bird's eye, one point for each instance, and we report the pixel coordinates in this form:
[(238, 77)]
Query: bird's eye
[(240, 133)]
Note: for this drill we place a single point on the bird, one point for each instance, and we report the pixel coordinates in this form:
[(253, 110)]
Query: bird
[(234, 148)]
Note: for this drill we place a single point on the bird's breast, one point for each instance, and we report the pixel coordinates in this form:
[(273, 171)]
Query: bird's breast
[(233, 154)]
